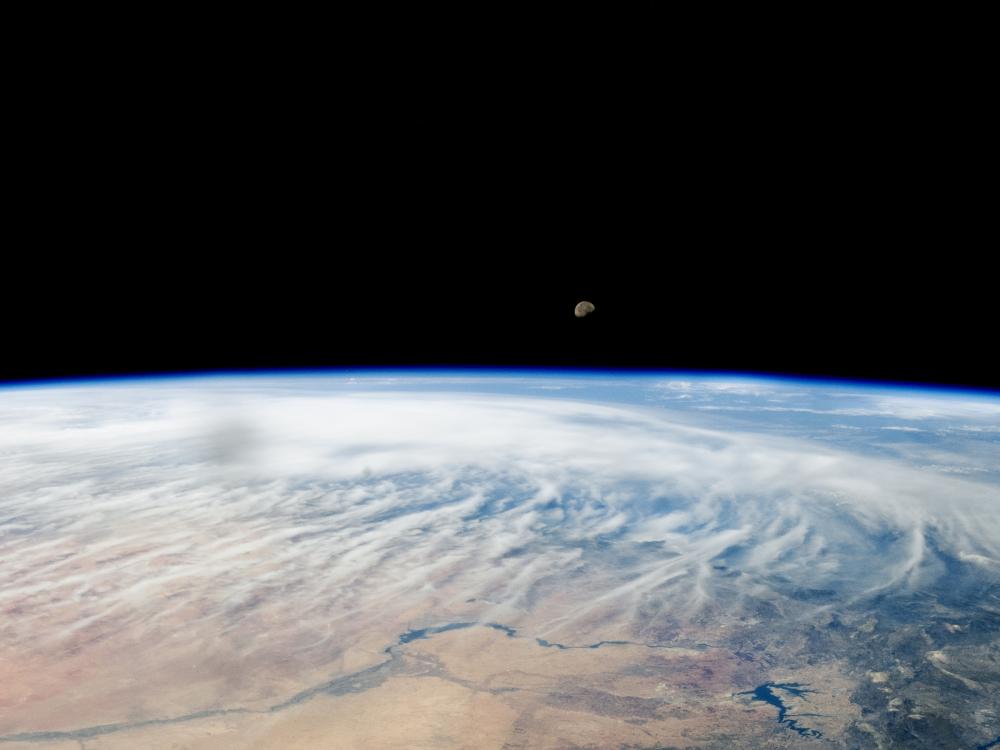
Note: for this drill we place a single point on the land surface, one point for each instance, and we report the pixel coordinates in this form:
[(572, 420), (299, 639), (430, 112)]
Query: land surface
[(552, 565)]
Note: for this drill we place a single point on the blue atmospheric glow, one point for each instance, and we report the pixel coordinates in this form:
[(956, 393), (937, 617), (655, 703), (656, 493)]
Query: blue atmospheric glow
[(491, 371)]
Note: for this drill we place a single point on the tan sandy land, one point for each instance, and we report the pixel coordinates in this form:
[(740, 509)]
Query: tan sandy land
[(479, 689), (475, 687), (405, 713), (69, 659)]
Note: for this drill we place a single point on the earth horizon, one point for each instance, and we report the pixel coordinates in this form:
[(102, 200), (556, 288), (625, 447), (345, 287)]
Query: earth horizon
[(519, 561)]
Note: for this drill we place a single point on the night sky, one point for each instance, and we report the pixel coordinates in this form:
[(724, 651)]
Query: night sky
[(419, 299), (222, 235)]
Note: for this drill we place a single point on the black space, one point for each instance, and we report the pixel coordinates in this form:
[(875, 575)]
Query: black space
[(201, 226), (359, 305)]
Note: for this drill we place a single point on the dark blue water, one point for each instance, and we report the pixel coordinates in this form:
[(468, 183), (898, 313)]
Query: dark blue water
[(511, 632), (988, 745), (547, 644), (765, 693), (416, 635)]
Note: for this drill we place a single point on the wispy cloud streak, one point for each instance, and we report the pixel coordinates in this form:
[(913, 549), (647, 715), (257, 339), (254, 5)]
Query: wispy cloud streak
[(299, 517)]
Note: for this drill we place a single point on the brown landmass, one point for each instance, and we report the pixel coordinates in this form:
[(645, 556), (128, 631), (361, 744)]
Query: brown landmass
[(477, 688)]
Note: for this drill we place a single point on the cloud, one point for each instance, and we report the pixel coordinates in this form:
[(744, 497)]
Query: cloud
[(795, 398), (239, 508)]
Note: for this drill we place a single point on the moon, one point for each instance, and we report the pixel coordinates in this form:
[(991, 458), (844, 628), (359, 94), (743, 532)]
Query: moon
[(583, 309)]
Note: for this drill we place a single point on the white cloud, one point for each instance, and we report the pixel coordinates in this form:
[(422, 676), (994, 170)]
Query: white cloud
[(340, 508)]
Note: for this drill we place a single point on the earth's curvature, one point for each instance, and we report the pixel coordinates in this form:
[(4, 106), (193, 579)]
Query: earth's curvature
[(487, 560)]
